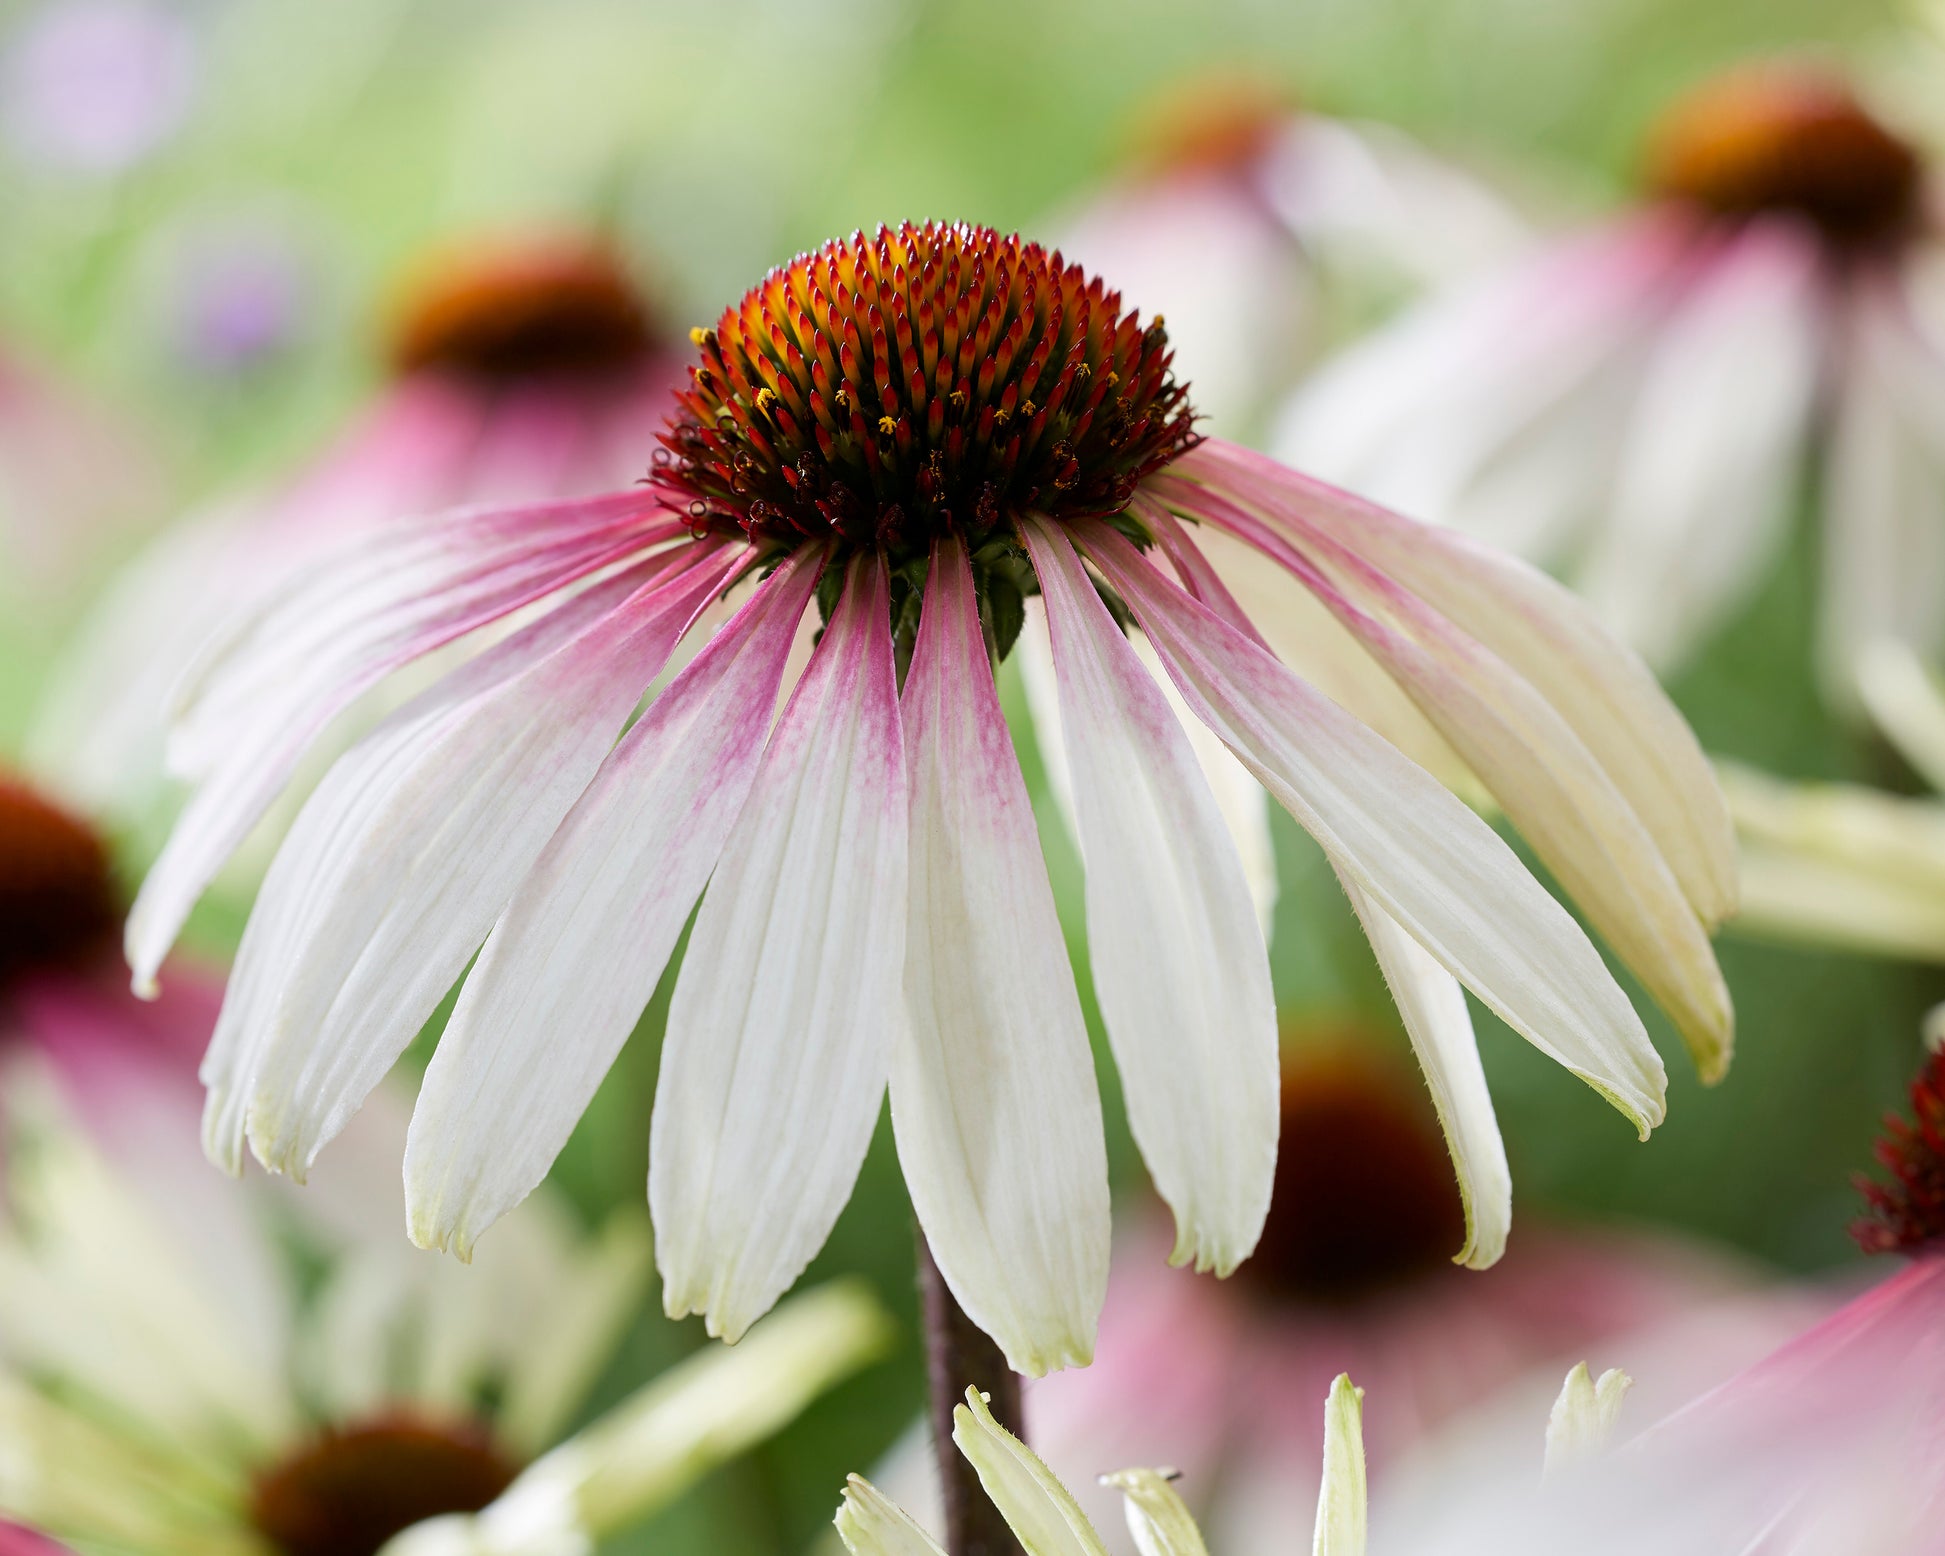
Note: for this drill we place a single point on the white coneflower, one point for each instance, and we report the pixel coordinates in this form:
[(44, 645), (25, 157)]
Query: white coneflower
[(1640, 405), (914, 431), (176, 1387)]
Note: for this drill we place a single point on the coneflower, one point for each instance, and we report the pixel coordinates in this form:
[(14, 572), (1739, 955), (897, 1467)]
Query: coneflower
[(910, 433)]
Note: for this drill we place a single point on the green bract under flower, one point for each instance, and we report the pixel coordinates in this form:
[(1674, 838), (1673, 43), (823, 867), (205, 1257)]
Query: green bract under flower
[(882, 390)]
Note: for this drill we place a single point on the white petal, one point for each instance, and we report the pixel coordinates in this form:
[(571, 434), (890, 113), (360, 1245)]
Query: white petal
[(1532, 762), (1714, 447), (1045, 1519), (1157, 1518), (1419, 853), (564, 976), (1903, 698), (1245, 807), (1583, 1416), (1883, 508), (412, 844), (871, 1524), (271, 687), (993, 1095), (1364, 193), (1493, 407), (1179, 967), (1341, 1499), (781, 1026), (1593, 681), (1440, 1027)]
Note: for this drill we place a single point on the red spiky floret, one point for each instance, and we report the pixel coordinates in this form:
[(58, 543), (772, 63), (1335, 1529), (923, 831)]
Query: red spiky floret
[(938, 377), (1908, 1213)]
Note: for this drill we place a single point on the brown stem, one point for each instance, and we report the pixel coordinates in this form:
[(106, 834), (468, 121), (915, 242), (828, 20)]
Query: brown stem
[(960, 1355)]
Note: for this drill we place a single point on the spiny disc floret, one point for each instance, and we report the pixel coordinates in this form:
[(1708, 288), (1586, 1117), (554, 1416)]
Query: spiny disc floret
[(926, 378), (1908, 1213)]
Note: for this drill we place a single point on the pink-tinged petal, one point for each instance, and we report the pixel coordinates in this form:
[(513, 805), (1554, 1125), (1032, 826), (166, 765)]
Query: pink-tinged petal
[(1531, 761), (569, 966), (1714, 446), (1440, 1027), (1831, 1444), (1883, 510), (1179, 966), (400, 862), (18, 1541), (993, 1095), (1494, 407), (403, 458), (782, 1022), (272, 684), (1413, 848), (1594, 682)]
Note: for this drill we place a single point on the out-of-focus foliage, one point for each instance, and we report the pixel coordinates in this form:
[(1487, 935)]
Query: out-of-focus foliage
[(216, 271)]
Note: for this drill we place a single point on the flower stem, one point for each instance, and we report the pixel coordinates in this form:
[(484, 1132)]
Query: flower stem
[(959, 1355)]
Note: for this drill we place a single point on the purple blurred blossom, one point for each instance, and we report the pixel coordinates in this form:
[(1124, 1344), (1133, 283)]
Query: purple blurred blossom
[(94, 86), (240, 295)]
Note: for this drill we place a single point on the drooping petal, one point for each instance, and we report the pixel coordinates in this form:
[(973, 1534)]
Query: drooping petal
[(273, 684), (1178, 959), (1419, 853), (1594, 681), (1583, 1416), (1534, 764), (993, 1095), (1440, 1027), (564, 975), (1713, 447), (1043, 1516), (871, 1524), (1341, 1499), (1157, 1518), (783, 1018), (410, 847)]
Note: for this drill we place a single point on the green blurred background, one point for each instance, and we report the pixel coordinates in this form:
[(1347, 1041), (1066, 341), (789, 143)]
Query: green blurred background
[(717, 140)]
